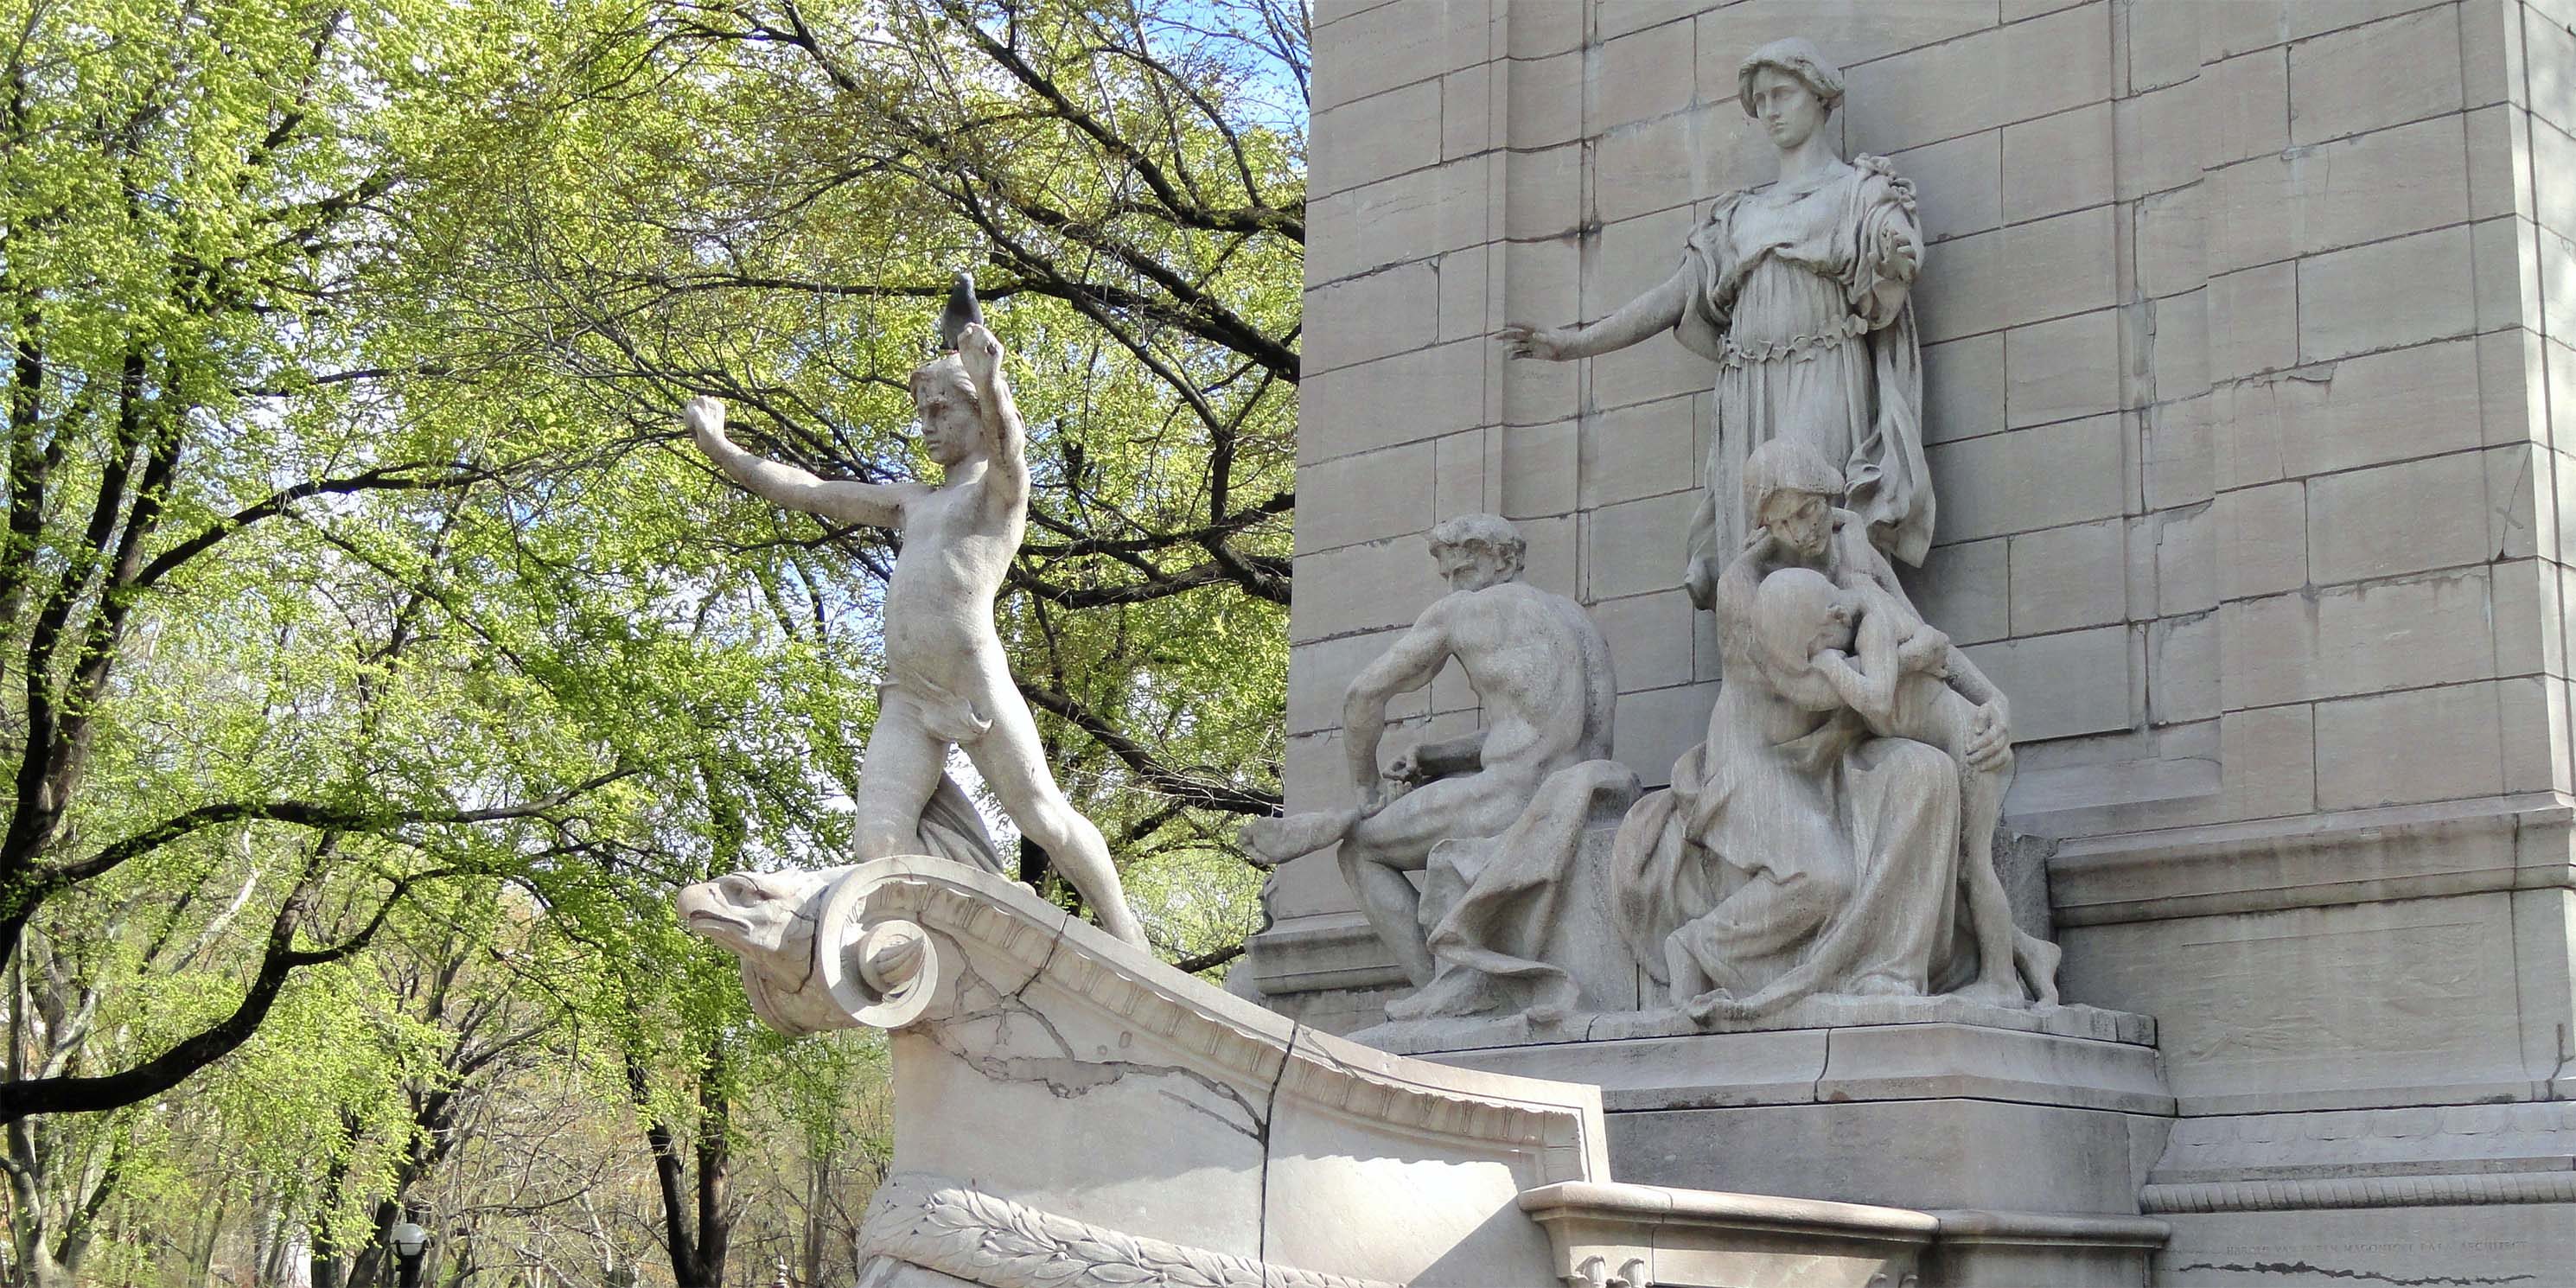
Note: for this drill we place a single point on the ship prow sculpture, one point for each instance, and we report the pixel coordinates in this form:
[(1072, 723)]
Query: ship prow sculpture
[(1071, 1112)]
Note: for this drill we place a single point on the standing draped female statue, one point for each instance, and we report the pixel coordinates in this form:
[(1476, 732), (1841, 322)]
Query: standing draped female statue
[(1799, 290)]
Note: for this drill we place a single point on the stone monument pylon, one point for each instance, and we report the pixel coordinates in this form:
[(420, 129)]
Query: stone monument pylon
[(2192, 368)]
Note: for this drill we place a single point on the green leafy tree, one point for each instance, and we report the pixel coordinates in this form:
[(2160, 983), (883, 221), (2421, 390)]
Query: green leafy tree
[(374, 663), (764, 201)]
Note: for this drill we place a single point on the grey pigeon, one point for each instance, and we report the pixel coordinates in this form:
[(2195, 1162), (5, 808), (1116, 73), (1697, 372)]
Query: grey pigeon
[(961, 313)]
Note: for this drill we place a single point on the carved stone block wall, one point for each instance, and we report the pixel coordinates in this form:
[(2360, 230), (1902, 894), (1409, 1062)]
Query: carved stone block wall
[(2246, 328), (1479, 162), (2240, 323)]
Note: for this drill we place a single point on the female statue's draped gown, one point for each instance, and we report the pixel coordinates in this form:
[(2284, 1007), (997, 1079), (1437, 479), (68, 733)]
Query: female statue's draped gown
[(1785, 306), (1795, 852)]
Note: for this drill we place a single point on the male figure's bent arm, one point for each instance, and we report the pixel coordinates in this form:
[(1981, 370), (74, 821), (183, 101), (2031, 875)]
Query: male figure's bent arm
[(1409, 665)]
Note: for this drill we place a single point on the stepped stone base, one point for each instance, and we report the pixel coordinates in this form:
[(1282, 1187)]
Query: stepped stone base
[(2454, 1194), (2030, 1141)]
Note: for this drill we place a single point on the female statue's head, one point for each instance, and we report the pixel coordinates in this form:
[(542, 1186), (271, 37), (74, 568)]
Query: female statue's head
[(1789, 491), (1789, 87)]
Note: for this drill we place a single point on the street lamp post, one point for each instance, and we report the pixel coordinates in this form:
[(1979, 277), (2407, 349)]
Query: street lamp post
[(410, 1244)]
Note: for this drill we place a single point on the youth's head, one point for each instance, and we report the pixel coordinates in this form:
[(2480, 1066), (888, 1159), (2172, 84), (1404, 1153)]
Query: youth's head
[(1797, 614), (951, 417), (1477, 550), (1789, 87), (1790, 490)]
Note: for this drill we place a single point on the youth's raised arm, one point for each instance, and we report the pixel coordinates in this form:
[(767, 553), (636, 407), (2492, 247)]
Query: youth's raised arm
[(1005, 442), (874, 504)]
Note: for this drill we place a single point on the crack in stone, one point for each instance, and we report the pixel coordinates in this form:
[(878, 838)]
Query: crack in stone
[(1068, 1076), (1261, 1193), (2331, 1272)]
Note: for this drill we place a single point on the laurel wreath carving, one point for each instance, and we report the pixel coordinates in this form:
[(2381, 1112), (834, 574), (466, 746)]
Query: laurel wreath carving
[(943, 1226)]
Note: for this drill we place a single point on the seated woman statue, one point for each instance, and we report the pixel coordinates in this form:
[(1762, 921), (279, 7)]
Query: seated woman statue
[(1834, 834)]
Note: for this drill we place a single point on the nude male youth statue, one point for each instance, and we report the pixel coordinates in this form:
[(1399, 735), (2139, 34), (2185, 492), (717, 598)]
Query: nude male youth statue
[(1542, 674), (947, 681)]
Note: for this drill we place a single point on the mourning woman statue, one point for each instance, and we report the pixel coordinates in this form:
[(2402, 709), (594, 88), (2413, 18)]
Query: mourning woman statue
[(1799, 290), (1835, 833)]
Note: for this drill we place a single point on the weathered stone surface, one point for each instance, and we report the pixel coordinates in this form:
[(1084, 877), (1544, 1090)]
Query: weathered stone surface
[(2365, 524), (1637, 451), (2062, 685), (1954, 182), (2325, 1007), (1967, 587), (2454, 747), (2013, 73), (2386, 294), (2159, 140), (2377, 74), (2374, 186), (2063, 369), (2253, 321), (2064, 578), (2043, 477), (1963, 388), (1943, 1153), (2249, 103), (1382, 135), (2367, 638), (2423, 400), (1367, 496)]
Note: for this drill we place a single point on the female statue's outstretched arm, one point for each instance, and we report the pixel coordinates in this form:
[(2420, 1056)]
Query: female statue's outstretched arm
[(1655, 311)]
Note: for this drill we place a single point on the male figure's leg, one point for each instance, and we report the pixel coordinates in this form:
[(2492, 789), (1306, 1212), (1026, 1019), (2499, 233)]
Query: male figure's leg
[(1381, 848), (897, 774), (1951, 721), (1013, 764)]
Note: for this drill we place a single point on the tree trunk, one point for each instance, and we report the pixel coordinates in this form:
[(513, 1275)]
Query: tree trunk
[(715, 1172)]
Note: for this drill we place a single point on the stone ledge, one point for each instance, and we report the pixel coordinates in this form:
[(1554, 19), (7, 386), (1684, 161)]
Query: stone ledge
[(1988, 1249), (1607, 1232), (2414, 1157), (2474, 1189), (1927, 1061), (2050, 1229), (2484, 845), (1612, 1233), (1830, 1011), (1314, 954), (2375, 1096)]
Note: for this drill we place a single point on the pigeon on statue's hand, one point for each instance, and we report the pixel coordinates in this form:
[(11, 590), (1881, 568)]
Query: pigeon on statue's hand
[(962, 312)]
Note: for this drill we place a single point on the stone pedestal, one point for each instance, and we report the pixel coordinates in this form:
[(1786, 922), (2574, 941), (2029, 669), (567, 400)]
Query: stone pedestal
[(1073, 1113), (2030, 1130), (2458, 1194)]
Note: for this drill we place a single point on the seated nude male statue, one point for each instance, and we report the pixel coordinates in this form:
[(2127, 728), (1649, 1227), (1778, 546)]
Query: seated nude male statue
[(1542, 675), (947, 681)]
